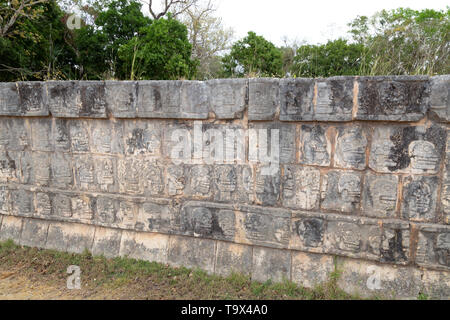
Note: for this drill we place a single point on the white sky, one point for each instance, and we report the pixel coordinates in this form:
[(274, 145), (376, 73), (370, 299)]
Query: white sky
[(315, 21)]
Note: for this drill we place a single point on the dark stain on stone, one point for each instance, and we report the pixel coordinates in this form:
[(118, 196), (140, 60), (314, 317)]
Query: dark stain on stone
[(395, 251), (342, 94), (136, 142), (400, 153), (92, 99), (30, 96), (158, 102), (311, 230)]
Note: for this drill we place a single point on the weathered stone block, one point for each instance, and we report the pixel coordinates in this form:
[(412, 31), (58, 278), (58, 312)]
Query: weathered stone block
[(177, 177), (351, 145), (14, 134), (264, 99), (228, 97), (41, 170), (106, 211), (420, 198), (106, 242), (33, 99), (334, 99), (308, 231), (83, 208), (158, 216), (145, 246), (11, 228), (393, 98), (64, 98), (433, 247), (267, 185), (297, 99), (395, 244), (5, 201), (315, 145), (34, 233), (9, 99), (9, 166), (199, 182), (41, 134), (263, 226), (121, 98), (178, 145), (310, 270), (440, 97), (233, 184), (192, 253), (44, 207), (301, 187), (207, 220), (408, 149), (22, 203), (153, 179), (233, 258), (127, 215), (143, 138), (271, 264), (130, 176), (107, 137), (276, 143), (61, 135), (61, 171), (62, 206), (84, 172), (106, 174), (341, 191), (445, 190), (173, 99), (93, 99), (70, 237), (380, 195), (79, 136)]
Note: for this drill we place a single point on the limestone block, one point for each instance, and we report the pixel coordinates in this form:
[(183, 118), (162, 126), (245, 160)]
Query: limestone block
[(41, 169), (153, 179), (445, 191), (192, 253), (127, 214), (130, 175), (297, 99), (34, 233), (11, 228), (61, 135), (233, 184), (351, 145), (264, 99), (44, 205), (22, 203), (207, 220), (231, 257), (83, 207), (9, 99), (33, 99), (5, 201), (121, 98), (420, 198), (106, 211), (396, 98), (79, 136), (107, 136), (64, 98), (228, 97), (433, 246), (267, 185), (380, 195), (395, 244), (62, 206), (41, 134), (172, 99), (301, 187), (158, 216), (145, 246), (315, 145), (61, 171), (310, 270), (271, 264), (9, 166), (106, 242), (93, 99), (341, 191), (143, 138), (70, 237), (308, 231), (105, 169), (200, 182), (334, 99), (14, 134), (84, 172), (440, 97)]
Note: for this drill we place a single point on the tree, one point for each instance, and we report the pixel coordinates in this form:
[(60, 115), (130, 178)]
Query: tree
[(208, 38), (12, 12), (405, 41), (161, 52), (174, 7), (253, 56), (335, 58), (33, 47)]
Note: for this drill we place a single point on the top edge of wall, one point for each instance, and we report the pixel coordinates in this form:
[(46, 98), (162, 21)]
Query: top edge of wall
[(335, 99)]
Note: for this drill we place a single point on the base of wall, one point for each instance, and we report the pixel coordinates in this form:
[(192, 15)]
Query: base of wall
[(366, 279)]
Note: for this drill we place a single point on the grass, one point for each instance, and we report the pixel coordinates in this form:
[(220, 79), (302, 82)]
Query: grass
[(124, 278)]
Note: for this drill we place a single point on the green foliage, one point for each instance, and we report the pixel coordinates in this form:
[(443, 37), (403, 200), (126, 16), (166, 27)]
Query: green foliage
[(34, 48), (405, 41), (251, 56), (162, 51), (335, 58)]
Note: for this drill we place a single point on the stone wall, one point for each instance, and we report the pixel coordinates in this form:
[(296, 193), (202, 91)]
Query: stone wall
[(362, 182)]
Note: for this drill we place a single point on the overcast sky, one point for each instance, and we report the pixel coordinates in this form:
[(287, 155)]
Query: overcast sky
[(315, 21)]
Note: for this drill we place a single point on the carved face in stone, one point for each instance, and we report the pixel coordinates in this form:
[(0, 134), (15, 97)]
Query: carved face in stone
[(315, 148), (420, 197), (349, 188), (289, 184), (226, 179), (384, 194), (80, 139), (380, 153), (82, 208), (224, 95), (176, 180), (423, 155), (311, 232), (201, 180), (154, 180), (247, 179), (202, 220), (352, 147), (106, 211), (126, 214), (44, 206), (443, 249), (102, 136), (63, 206)]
